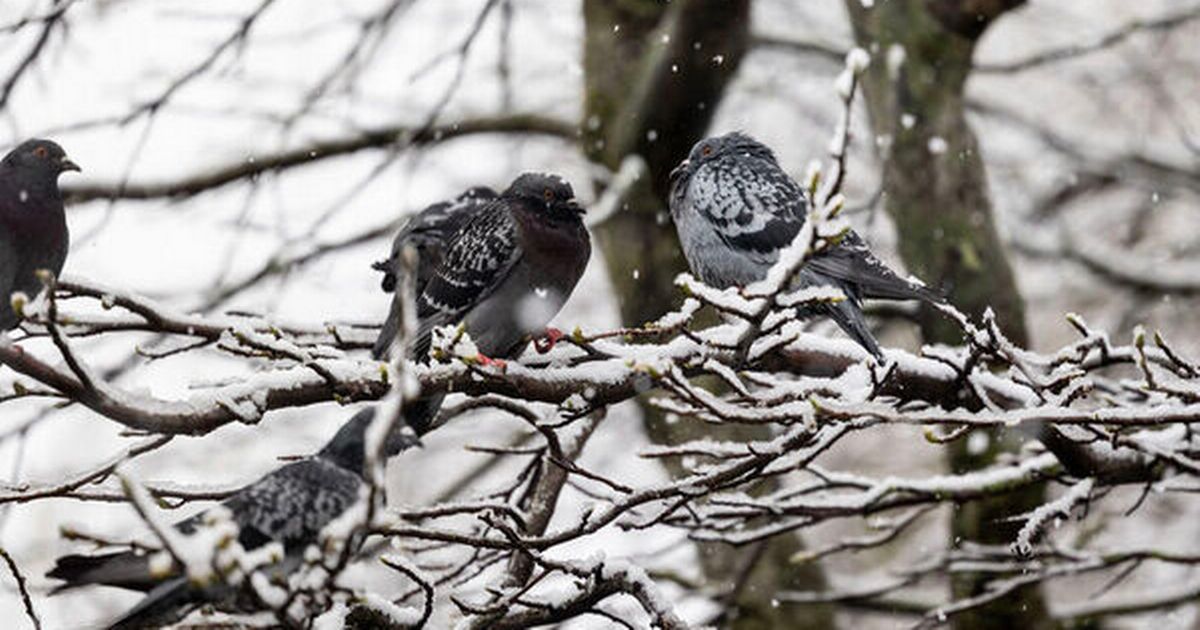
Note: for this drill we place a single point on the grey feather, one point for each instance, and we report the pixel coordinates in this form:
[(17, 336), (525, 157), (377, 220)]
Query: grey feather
[(735, 209)]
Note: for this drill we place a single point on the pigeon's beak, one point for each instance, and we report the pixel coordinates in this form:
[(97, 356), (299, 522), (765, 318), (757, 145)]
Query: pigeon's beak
[(574, 206), (67, 165), (679, 170)]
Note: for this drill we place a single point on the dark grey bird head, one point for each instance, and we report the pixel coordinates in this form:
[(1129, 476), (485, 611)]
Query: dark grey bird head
[(346, 448), (549, 193), (40, 158), (716, 148)]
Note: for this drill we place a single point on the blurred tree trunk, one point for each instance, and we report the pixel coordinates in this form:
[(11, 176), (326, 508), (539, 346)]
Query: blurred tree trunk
[(655, 73), (936, 191)]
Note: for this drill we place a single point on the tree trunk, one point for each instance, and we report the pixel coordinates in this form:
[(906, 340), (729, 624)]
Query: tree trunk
[(655, 73), (936, 191)]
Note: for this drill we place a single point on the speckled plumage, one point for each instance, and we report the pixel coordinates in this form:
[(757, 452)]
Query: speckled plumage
[(427, 233), (735, 209), (33, 226), (290, 505), (510, 269)]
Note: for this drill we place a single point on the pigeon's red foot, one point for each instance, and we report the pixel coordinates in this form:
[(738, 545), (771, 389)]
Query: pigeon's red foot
[(545, 342), (487, 361)]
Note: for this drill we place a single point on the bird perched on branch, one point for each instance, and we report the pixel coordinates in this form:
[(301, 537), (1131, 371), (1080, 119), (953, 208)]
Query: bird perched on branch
[(504, 274), (510, 268), (33, 226), (427, 233), (735, 209), (289, 506)]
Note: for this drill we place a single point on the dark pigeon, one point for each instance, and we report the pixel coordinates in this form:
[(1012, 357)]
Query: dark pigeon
[(735, 209), (427, 233), (505, 274), (290, 505), (33, 226), (510, 269)]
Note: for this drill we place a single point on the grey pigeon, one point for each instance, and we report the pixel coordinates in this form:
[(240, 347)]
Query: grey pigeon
[(505, 274), (290, 505), (33, 226), (427, 232), (735, 209)]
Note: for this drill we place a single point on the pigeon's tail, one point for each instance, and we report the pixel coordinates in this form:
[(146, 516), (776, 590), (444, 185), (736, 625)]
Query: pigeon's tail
[(889, 286), (421, 413), (386, 341), (849, 317), (122, 569), (164, 605), (387, 336)]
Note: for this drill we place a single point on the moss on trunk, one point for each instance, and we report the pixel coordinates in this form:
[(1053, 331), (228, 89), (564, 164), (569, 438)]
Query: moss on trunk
[(936, 190)]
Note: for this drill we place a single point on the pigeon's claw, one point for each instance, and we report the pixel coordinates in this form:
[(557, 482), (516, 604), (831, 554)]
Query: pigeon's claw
[(545, 342), (487, 361)]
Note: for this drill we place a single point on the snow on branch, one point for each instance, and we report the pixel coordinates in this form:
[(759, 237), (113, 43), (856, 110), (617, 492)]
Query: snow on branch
[(1105, 414)]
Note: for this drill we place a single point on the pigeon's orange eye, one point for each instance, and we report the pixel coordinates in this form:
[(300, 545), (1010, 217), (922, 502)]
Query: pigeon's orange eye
[(41, 152), (548, 194), (706, 150)]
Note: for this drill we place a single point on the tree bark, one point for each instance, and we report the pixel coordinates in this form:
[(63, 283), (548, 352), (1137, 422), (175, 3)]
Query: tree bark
[(655, 73), (935, 188)]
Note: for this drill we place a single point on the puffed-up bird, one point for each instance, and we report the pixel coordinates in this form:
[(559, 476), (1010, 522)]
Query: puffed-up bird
[(33, 226), (427, 233), (289, 506), (504, 275), (735, 209)]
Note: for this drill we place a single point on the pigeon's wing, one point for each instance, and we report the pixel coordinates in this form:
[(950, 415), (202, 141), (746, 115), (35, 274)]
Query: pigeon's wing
[(754, 206), (852, 263), (477, 261), (292, 504), (757, 209), (428, 232), (420, 230)]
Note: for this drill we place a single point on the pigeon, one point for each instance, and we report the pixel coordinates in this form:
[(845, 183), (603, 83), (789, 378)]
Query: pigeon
[(735, 209), (427, 233), (510, 269), (503, 275), (290, 506), (33, 226)]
